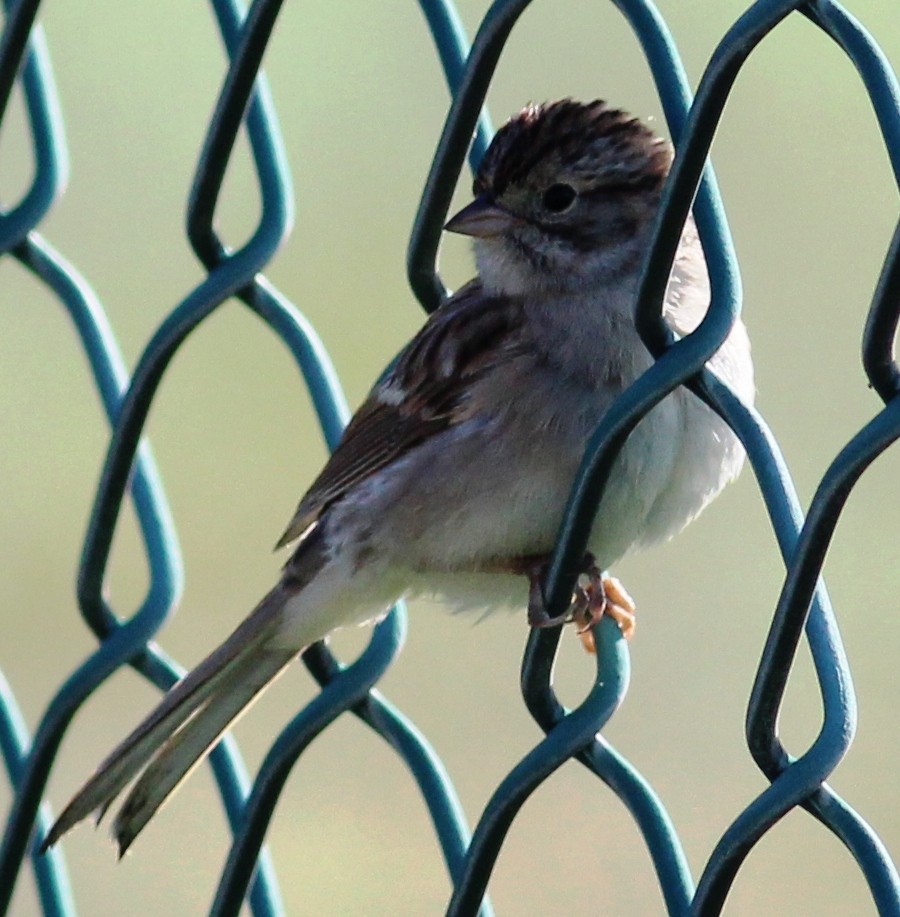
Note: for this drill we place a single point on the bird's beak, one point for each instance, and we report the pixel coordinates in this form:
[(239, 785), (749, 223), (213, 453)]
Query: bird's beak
[(483, 218)]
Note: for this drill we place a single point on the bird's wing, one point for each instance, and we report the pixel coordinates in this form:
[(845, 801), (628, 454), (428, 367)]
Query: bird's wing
[(426, 391)]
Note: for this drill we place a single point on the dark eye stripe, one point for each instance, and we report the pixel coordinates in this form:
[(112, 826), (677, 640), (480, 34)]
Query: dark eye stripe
[(638, 183)]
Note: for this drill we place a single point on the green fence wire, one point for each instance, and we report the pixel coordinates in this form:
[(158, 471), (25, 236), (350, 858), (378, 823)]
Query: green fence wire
[(803, 606)]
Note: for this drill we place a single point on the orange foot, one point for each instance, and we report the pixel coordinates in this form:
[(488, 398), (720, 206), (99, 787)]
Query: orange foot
[(596, 594), (601, 595)]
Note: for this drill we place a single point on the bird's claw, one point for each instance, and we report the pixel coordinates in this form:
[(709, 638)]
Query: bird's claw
[(596, 595), (537, 611), (602, 595)]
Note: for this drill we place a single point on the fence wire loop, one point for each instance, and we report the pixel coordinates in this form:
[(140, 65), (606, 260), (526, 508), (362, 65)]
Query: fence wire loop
[(125, 635)]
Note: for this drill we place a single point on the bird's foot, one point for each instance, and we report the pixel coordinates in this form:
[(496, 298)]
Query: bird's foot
[(596, 594), (535, 568), (601, 595)]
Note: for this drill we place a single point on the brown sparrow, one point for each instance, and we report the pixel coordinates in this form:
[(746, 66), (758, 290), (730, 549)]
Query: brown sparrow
[(452, 477)]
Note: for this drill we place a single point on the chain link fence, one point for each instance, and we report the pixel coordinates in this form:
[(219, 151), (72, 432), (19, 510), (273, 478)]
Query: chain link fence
[(794, 780)]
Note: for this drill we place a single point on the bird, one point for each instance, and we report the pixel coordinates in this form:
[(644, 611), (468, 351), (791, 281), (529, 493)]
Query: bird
[(453, 475)]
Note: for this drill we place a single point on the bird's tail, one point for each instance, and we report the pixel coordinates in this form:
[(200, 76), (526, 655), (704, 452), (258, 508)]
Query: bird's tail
[(181, 731)]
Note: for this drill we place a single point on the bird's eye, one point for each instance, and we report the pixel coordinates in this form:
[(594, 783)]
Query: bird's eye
[(558, 198)]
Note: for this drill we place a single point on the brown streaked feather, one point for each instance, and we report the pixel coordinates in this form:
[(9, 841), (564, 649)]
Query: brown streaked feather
[(176, 711), (187, 722), (425, 392)]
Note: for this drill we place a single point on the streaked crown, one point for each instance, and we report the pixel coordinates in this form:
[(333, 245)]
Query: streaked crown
[(565, 198), (598, 145)]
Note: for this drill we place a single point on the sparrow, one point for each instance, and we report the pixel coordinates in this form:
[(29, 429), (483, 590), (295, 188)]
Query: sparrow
[(453, 476)]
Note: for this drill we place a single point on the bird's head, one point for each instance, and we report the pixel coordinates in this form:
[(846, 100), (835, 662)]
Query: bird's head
[(564, 197)]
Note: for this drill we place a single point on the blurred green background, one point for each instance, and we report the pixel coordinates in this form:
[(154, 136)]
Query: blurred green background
[(809, 193)]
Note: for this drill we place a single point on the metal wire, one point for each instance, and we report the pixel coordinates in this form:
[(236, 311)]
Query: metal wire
[(803, 606)]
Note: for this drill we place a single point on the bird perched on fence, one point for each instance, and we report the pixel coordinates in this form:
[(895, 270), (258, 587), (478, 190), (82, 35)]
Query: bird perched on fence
[(453, 476)]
